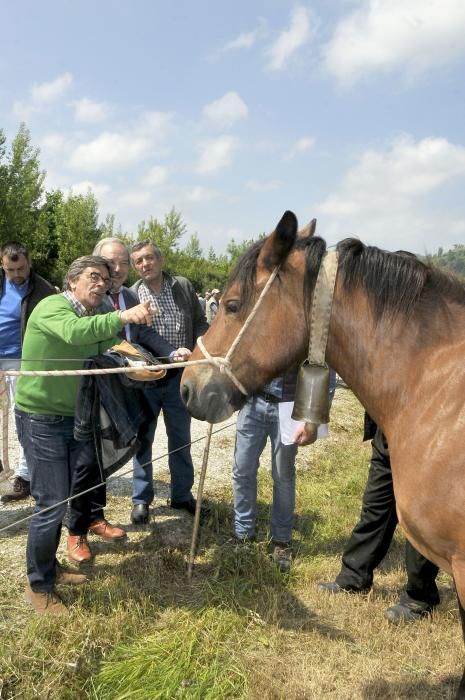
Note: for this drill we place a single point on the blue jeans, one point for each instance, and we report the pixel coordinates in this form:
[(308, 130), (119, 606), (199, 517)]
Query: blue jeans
[(257, 421), (52, 454), (165, 395)]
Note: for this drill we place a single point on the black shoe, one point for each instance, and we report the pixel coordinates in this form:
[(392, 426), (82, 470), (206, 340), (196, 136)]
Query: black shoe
[(334, 587), (188, 505), (140, 514), (21, 490), (407, 612)]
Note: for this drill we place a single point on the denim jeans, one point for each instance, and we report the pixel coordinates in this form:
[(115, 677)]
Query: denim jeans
[(165, 395), (53, 455), (21, 466), (257, 421)]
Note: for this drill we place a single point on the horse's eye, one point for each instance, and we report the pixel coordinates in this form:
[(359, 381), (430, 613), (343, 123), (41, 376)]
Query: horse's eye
[(231, 306)]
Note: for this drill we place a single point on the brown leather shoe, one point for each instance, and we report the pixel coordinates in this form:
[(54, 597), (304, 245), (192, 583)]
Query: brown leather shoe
[(78, 548), (45, 602), (68, 578), (107, 531)]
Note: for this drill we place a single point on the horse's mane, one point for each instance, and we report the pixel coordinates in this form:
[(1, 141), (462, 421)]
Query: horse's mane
[(395, 283)]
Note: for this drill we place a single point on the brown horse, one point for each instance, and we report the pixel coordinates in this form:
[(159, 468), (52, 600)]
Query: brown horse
[(396, 337)]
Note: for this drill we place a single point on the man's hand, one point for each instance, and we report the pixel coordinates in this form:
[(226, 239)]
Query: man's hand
[(180, 355), (142, 313), (306, 434)]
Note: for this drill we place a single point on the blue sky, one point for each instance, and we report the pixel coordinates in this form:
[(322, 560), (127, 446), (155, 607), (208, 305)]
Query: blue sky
[(351, 111)]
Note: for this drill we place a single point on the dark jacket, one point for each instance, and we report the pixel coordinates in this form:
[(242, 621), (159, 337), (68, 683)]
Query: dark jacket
[(110, 410), (141, 334), (188, 303), (38, 289)]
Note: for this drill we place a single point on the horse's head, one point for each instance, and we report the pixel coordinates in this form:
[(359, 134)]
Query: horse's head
[(272, 339)]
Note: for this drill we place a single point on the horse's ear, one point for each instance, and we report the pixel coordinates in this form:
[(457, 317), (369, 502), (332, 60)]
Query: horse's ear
[(308, 230), (277, 246)]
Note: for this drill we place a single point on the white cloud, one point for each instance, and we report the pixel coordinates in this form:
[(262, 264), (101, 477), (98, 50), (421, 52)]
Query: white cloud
[(88, 111), (389, 195), (54, 142), (291, 39), (226, 110), (86, 185), (199, 194), (216, 154), (263, 186), (134, 198), (301, 146), (245, 40), (109, 150), (154, 124), (394, 34), (42, 94), (48, 92), (156, 176)]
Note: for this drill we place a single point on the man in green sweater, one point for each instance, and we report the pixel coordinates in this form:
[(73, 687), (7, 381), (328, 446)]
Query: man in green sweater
[(62, 331)]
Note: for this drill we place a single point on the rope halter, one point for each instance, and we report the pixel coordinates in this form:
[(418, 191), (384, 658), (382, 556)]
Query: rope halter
[(223, 364)]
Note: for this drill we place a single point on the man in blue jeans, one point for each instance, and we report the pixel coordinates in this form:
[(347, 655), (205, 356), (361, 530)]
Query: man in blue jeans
[(62, 327), (258, 420), (180, 320)]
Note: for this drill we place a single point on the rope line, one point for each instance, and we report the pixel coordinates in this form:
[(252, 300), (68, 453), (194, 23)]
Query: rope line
[(102, 483)]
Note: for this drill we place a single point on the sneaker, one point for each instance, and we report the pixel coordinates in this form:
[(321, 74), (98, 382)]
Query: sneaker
[(282, 556), (45, 602), (20, 490), (407, 611), (334, 587)]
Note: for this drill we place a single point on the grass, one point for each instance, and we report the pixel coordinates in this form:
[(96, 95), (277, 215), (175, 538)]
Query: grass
[(241, 629)]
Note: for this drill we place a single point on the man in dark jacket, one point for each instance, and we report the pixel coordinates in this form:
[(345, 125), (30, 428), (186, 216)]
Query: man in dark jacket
[(20, 291), (180, 320)]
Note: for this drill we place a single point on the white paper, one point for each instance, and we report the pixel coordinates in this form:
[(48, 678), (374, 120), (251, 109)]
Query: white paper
[(288, 425)]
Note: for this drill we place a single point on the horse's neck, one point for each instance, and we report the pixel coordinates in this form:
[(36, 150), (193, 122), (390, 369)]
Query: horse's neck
[(374, 359)]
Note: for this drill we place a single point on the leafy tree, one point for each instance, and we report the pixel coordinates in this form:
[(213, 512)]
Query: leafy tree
[(45, 251), (77, 229), (193, 248), (24, 181)]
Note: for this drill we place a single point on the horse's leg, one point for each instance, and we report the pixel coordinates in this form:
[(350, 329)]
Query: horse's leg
[(458, 571)]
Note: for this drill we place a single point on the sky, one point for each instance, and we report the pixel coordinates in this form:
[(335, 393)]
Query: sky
[(350, 111)]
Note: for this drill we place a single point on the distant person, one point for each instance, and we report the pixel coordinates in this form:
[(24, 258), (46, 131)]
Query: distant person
[(202, 301), (213, 304), (21, 289), (180, 320)]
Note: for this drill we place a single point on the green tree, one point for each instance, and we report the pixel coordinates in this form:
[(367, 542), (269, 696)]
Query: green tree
[(45, 251), (77, 229), (24, 190), (192, 248)]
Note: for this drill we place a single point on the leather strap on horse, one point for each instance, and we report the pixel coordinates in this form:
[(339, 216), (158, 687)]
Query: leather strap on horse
[(311, 401), (321, 308)]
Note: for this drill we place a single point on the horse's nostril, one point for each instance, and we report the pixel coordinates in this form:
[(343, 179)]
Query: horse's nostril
[(185, 393)]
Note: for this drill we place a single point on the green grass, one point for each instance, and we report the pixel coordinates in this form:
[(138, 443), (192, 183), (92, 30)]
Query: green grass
[(240, 629)]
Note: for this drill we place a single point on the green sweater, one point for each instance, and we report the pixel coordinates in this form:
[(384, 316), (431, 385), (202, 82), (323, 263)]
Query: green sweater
[(57, 338)]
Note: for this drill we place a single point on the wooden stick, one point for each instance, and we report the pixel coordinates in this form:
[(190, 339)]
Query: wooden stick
[(198, 507)]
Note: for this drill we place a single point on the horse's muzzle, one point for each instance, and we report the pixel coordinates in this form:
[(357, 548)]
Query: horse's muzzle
[(214, 401)]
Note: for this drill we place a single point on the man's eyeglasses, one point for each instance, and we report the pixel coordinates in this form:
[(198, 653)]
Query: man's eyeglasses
[(96, 278)]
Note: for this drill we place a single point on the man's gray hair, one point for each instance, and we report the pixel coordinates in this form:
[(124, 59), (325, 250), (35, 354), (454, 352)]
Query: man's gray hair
[(141, 244), (78, 266), (110, 239)]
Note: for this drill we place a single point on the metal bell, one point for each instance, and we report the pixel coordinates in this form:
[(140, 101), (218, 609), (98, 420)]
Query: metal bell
[(311, 403)]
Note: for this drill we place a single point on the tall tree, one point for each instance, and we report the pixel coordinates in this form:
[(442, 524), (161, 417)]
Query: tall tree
[(77, 229), (24, 190)]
